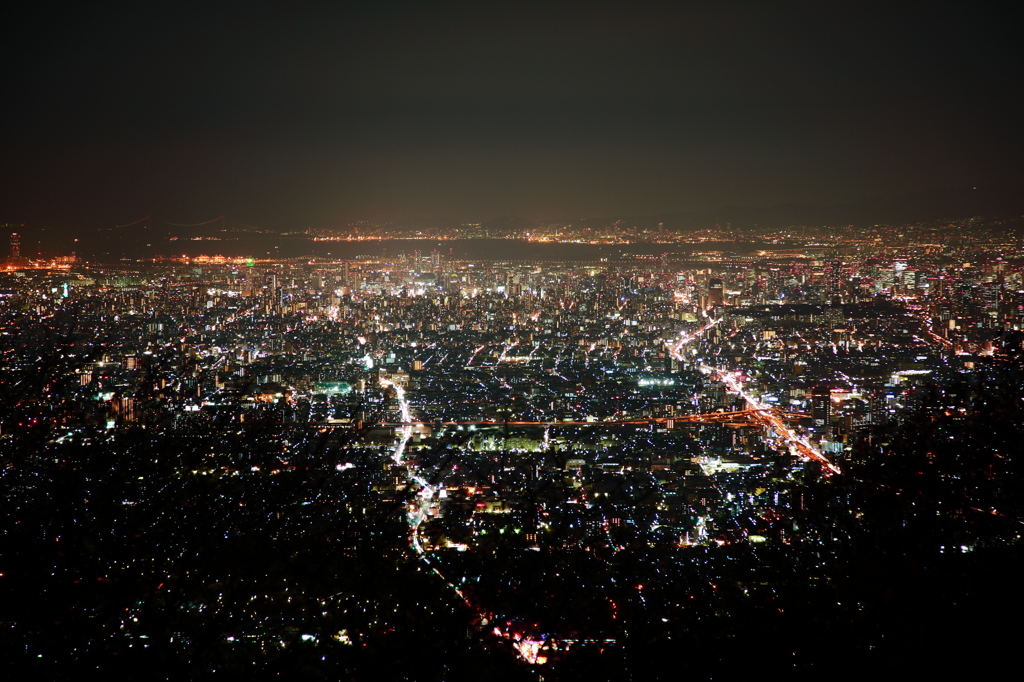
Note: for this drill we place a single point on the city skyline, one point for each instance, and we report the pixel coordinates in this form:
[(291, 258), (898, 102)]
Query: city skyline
[(511, 342), (570, 465)]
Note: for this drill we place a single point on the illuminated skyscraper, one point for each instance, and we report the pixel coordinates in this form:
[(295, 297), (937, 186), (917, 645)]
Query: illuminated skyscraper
[(833, 283), (716, 293), (821, 406)]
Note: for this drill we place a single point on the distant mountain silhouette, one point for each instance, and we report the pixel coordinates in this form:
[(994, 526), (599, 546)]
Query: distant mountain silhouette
[(156, 236), (940, 203), (930, 205), (435, 223), (510, 222)]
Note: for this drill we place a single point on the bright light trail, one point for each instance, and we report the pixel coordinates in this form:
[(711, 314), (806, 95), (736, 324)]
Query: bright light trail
[(770, 420), (684, 338), (529, 649), (762, 412)]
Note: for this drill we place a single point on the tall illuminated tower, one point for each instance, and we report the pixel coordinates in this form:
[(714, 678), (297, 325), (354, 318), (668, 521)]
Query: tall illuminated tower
[(716, 293)]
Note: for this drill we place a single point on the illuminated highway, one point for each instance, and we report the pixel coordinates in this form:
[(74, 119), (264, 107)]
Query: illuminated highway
[(684, 338), (760, 412), (770, 420), (529, 649), (732, 416)]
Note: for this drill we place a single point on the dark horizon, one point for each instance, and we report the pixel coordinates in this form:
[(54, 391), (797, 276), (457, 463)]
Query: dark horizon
[(937, 204), (327, 114)]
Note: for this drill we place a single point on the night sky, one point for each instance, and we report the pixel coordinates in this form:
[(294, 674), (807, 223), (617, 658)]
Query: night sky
[(325, 113)]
